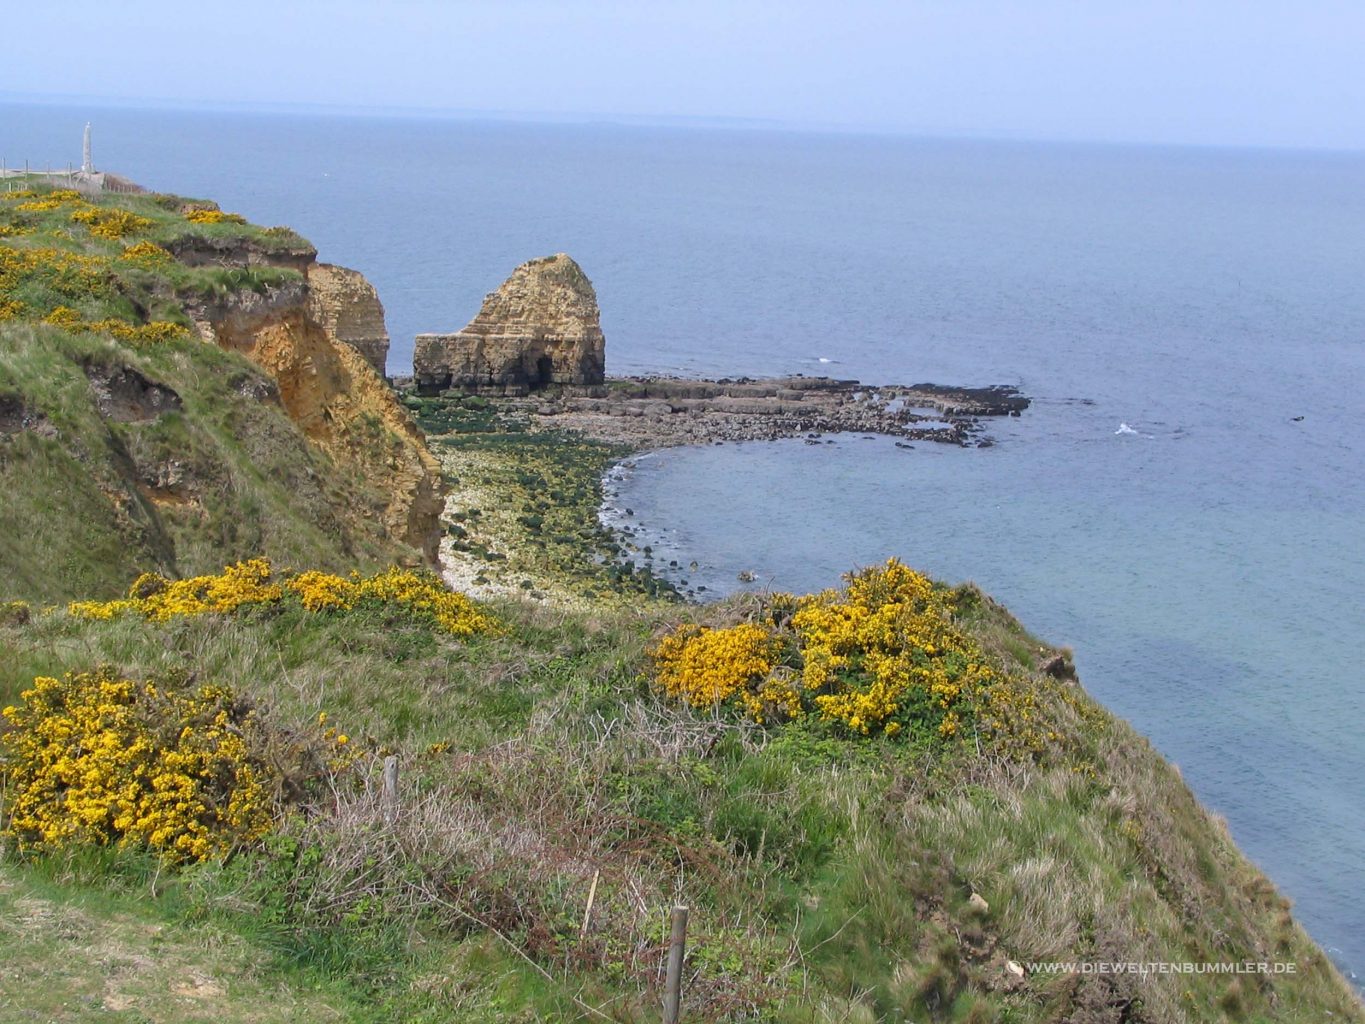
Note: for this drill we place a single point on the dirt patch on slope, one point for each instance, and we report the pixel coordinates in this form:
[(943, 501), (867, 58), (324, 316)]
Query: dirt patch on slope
[(126, 396)]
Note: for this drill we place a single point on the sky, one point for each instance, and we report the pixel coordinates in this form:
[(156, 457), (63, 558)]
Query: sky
[(1221, 72)]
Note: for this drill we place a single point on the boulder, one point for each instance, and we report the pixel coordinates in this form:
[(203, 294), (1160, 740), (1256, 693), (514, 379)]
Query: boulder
[(541, 327)]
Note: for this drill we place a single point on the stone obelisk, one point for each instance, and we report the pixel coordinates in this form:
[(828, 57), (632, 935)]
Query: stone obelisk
[(87, 165)]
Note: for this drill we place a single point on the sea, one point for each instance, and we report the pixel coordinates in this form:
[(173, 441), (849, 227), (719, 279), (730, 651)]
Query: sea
[(1183, 504)]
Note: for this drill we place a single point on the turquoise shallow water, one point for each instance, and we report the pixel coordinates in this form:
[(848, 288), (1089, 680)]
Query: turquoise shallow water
[(1209, 570)]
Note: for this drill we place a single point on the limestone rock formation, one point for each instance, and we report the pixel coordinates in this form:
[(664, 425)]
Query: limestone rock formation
[(541, 327), (332, 391), (348, 309)]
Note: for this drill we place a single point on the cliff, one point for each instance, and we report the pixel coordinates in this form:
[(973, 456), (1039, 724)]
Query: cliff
[(303, 335), (347, 307), (542, 326), (884, 802), (163, 452)]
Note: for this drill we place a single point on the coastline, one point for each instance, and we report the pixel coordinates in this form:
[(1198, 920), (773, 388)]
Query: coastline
[(525, 513)]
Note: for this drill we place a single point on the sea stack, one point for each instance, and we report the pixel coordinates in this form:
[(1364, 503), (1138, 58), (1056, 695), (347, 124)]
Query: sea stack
[(541, 327)]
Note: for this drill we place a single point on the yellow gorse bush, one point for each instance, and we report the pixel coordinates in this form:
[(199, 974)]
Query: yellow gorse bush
[(417, 592), (96, 759), (427, 596), (245, 583), (111, 224), (213, 217), (42, 202), (707, 667), (323, 591), (889, 636), (152, 333), (254, 583), (69, 272), (76, 277), (146, 253), (874, 657)]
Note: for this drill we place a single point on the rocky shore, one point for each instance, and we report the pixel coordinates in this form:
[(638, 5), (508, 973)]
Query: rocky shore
[(660, 412)]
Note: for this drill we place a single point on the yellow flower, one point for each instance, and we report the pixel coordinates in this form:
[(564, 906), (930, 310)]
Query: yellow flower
[(253, 583), (213, 217), (708, 666), (884, 647), (90, 759)]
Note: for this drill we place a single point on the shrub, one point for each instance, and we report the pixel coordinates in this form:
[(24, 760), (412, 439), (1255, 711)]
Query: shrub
[(427, 597), (213, 217), (68, 273), (146, 254), (708, 667), (880, 655), (151, 333), (96, 759), (110, 224), (885, 645), (419, 595), (42, 202)]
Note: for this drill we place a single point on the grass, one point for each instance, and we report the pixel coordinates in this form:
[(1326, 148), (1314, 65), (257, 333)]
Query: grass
[(830, 879), (178, 491)]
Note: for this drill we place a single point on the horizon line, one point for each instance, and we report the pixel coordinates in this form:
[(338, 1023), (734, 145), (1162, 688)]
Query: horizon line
[(714, 122)]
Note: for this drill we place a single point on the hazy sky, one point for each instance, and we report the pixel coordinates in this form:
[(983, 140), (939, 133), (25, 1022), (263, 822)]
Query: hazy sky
[(1216, 71)]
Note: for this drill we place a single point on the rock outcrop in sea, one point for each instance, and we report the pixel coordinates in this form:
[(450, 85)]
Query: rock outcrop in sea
[(541, 327)]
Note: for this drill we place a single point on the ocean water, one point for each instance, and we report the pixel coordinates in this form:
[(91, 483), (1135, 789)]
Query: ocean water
[(1208, 568)]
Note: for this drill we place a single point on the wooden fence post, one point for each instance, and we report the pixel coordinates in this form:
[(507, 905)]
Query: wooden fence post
[(673, 980), (587, 911), (391, 789)]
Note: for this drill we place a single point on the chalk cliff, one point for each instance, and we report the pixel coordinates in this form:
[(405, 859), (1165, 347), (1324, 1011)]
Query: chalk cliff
[(541, 327)]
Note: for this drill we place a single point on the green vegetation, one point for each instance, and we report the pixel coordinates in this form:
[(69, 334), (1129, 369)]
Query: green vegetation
[(526, 510), (129, 260), (831, 878), (116, 459), (127, 444)]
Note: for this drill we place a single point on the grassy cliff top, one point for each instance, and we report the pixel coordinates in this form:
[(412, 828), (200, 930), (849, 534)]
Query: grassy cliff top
[(126, 442), (834, 873), (123, 262)]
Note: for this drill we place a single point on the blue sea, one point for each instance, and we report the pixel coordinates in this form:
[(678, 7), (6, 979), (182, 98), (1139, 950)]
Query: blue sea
[(1207, 564)]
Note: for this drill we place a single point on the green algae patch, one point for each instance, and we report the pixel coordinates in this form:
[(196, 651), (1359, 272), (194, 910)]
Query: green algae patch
[(523, 511)]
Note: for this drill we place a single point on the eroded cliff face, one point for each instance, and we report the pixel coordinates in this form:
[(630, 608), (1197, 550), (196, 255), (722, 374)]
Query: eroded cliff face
[(347, 307), (541, 327), (300, 333)]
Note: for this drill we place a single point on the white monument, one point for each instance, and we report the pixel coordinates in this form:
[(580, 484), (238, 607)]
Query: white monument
[(87, 165)]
